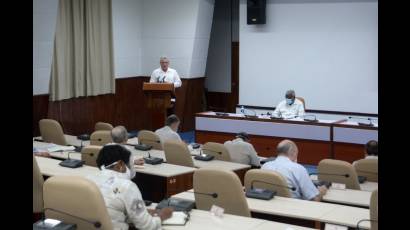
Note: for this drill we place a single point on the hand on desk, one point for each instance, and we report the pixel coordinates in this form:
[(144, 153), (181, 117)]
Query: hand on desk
[(164, 213), (42, 154), (139, 161)]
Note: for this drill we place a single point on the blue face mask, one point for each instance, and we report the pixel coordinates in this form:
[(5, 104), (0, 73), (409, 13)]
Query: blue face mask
[(289, 101)]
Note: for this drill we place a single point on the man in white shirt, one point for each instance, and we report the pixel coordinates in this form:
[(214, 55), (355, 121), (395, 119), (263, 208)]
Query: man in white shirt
[(295, 174), (169, 131), (290, 107), (122, 197), (371, 150), (241, 151), (166, 74)]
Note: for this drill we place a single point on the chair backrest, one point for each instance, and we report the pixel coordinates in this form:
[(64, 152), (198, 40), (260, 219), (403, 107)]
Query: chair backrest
[(38, 182), (101, 137), (331, 166), (226, 185), (177, 153), (103, 126), (76, 196), (149, 138), (89, 154), (368, 168), (256, 177), (302, 100), (52, 132), (374, 210), (219, 151)]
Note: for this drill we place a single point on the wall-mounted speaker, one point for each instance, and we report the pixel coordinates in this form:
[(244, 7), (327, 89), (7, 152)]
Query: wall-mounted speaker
[(256, 12)]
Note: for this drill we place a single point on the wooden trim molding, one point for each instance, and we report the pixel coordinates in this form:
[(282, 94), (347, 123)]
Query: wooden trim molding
[(125, 107)]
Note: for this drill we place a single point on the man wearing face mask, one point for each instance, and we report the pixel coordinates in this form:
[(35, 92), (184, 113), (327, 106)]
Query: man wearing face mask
[(122, 196), (169, 131), (290, 107), (295, 174)]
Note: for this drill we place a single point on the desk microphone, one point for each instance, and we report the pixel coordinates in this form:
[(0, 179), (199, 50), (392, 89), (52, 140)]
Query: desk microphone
[(305, 118), (279, 185), (361, 123), (331, 174), (153, 160), (360, 221), (96, 224), (214, 195), (264, 194)]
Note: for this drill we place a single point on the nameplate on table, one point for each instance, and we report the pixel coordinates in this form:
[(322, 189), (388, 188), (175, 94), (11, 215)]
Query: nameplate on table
[(338, 186)]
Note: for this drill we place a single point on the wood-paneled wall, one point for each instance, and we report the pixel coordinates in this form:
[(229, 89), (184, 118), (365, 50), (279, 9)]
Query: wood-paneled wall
[(125, 107)]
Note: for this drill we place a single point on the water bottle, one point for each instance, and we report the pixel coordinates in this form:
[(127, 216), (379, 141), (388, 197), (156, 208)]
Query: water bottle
[(242, 110)]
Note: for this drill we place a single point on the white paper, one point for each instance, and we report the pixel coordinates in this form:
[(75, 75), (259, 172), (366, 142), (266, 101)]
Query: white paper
[(177, 218), (338, 186)]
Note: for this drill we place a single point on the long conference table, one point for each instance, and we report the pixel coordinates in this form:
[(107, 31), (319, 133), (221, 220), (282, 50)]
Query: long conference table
[(163, 180), (342, 139), (279, 206), (155, 181), (204, 220), (308, 213)]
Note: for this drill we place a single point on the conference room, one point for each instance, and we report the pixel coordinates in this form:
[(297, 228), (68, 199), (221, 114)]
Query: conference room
[(205, 114)]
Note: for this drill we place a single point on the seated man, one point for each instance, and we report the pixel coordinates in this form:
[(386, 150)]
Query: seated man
[(40, 153), (241, 151), (119, 135), (371, 150), (169, 131), (295, 174), (122, 196), (290, 107)]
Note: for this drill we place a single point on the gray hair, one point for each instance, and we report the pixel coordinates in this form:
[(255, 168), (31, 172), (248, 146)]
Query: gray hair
[(286, 147), (290, 93), (163, 58), (119, 134), (171, 120)]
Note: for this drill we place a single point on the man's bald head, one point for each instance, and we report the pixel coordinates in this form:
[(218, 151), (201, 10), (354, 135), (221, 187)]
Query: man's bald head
[(288, 148), (119, 135)]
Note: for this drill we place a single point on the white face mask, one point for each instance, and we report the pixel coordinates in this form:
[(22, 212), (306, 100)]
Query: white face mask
[(126, 175)]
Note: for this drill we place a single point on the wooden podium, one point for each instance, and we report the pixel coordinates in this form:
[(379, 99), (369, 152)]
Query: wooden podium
[(158, 100)]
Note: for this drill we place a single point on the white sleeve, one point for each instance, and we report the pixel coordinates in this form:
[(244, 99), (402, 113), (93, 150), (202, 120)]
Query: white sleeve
[(136, 211), (308, 189), (277, 109), (153, 77), (177, 80), (301, 110)]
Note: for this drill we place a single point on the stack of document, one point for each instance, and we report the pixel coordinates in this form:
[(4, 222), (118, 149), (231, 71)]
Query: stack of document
[(56, 148), (178, 218)]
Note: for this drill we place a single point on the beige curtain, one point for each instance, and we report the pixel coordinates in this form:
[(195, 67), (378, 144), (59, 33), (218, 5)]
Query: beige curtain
[(83, 50)]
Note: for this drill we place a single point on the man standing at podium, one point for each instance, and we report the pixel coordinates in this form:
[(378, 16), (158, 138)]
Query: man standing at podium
[(165, 74)]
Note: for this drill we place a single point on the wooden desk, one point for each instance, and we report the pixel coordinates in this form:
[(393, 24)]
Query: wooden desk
[(316, 140), (239, 169), (204, 220), (369, 186), (71, 140), (348, 197), (50, 167), (303, 210), (155, 182)]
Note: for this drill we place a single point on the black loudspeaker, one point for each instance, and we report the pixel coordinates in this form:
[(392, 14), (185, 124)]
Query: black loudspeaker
[(256, 13)]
